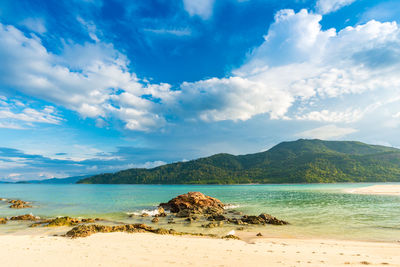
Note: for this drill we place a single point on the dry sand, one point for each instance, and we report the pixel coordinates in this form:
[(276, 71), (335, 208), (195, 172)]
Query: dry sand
[(393, 190), (122, 249)]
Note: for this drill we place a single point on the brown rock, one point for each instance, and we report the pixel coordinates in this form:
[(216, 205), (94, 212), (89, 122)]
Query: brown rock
[(193, 203), (3, 220), (144, 215), (19, 204), (155, 220), (26, 217), (231, 237), (271, 219), (259, 234), (213, 224)]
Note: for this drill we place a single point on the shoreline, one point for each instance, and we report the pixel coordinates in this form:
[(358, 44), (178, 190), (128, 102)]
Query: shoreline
[(147, 249)]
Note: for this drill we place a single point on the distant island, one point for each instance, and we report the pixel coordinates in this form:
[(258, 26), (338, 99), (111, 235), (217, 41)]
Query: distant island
[(301, 161)]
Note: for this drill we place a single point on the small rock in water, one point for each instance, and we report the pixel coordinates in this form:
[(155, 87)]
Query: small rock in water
[(144, 215), (259, 234), (19, 204), (3, 220), (155, 220)]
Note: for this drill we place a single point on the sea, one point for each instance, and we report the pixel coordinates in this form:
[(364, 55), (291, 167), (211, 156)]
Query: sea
[(313, 210)]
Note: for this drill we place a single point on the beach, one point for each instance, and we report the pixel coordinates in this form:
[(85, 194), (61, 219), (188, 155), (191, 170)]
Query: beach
[(122, 249), (390, 190)]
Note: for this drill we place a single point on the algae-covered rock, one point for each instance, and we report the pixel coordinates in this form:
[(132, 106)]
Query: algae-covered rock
[(26, 217), (63, 221)]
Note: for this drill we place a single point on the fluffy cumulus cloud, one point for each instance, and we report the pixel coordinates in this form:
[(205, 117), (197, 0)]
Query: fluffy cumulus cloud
[(297, 67), (85, 78), (328, 6)]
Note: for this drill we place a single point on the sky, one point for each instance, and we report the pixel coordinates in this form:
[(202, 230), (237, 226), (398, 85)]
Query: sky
[(95, 86)]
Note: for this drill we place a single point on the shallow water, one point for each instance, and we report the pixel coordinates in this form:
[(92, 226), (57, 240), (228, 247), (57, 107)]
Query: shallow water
[(314, 210)]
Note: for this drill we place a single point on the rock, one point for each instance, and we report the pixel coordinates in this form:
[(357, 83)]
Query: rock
[(161, 212), (3, 220), (231, 237), (271, 219), (155, 220), (19, 204), (216, 217), (87, 230), (63, 221), (236, 221), (252, 219), (262, 219), (26, 217), (259, 234), (183, 213), (193, 203), (89, 220), (241, 228), (144, 215), (162, 231), (213, 224)]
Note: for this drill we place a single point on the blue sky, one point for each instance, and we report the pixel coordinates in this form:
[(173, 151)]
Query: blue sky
[(93, 86)]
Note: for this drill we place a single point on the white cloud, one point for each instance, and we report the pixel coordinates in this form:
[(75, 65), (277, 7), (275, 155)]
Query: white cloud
[(84, 78), (202, 8), (328, 6), (298, 65), (17, 115), (327, 132), (175, 32)]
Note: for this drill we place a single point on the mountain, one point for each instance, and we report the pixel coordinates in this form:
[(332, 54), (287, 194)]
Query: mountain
[(301, 161), (69, 180)]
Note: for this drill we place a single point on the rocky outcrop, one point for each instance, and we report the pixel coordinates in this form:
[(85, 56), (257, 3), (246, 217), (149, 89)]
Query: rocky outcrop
[(87, 230), (193, 203), (19, 204), (26, 217), (63, 221)]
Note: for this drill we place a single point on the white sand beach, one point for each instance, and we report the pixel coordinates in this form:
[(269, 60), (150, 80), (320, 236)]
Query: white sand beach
[(122, 249), (377, 190)]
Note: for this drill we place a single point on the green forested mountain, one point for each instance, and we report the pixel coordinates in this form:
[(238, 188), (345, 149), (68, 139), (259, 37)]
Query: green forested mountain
[(301, 161)]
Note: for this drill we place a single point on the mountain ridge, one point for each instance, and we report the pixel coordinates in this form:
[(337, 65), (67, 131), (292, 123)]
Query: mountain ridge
[(301, 161)]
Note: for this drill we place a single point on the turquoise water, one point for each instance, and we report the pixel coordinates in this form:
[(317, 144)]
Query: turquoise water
[(314, 210)]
